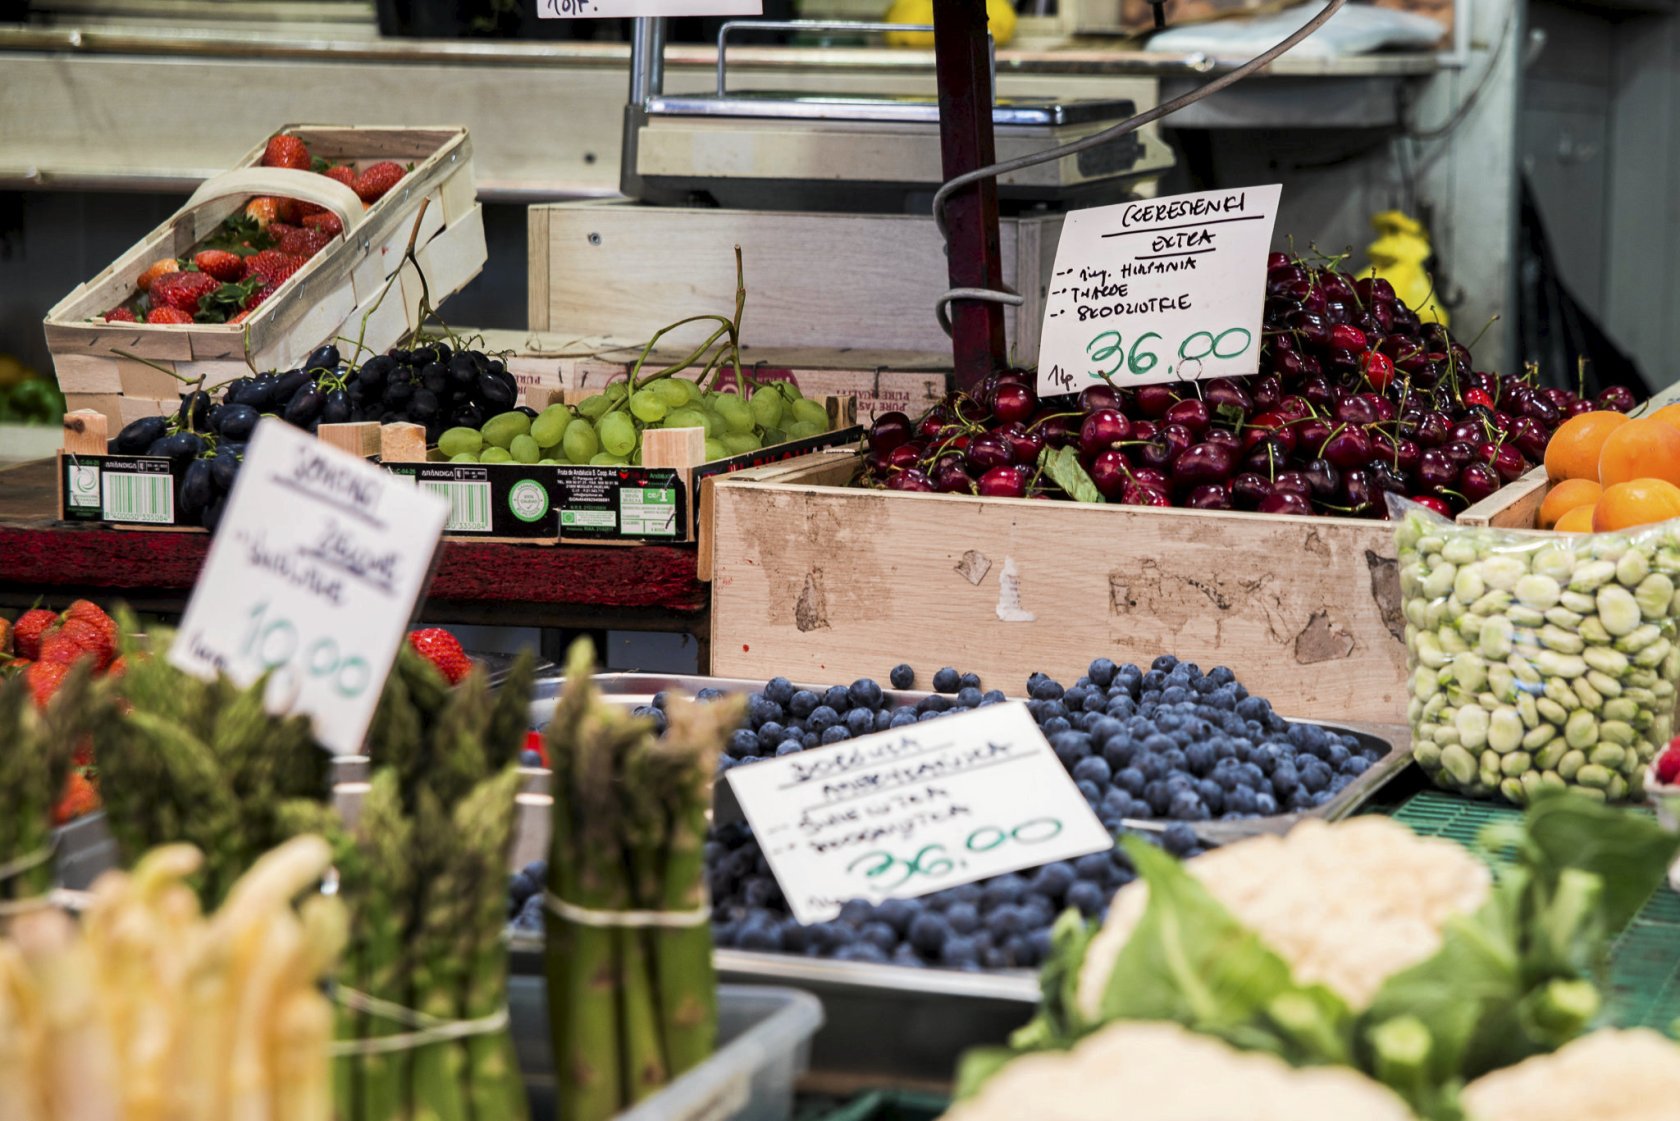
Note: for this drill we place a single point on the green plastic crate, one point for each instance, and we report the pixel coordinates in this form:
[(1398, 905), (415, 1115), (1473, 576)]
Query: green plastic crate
[(1645, 957)]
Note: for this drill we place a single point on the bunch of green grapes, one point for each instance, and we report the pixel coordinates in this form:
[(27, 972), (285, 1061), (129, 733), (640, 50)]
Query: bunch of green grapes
[(606, 429)]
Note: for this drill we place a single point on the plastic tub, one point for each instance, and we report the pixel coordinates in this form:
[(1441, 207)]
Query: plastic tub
[(764, 1045)]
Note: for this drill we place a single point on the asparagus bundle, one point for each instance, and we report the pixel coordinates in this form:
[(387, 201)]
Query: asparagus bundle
[(424, 874), (204, 763), (153, 1011), (36, 749), (631, 992)]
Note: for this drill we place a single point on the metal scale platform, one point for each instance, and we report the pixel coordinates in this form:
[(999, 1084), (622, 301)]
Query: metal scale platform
[(847, 152)]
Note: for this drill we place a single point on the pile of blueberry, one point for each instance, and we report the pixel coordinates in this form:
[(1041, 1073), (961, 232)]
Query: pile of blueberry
[(525, 897)]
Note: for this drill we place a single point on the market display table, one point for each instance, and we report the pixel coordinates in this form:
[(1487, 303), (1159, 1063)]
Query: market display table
[(567, 587)]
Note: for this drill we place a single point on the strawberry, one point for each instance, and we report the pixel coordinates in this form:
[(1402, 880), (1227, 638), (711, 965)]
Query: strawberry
[(343, 173), (278, 230), (118, 667), (534, 744), (326, 221), (255, 299), (238, 319), (183, 291), (441, 648), (5, 637), (220, 264), (119, 315), (372, 184), (273, 266), (1668, 763), (43, 679), (305, 243), (154, 270), (28, 631), (263, 211), (63, 649), (289, 211), (81, 797), (286, 151), (101, 629), (168, 315)]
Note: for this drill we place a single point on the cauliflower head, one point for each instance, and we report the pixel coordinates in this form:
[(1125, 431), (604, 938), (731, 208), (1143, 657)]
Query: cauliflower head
[(1168, 1073), (1605, 1075), (1344, 904)]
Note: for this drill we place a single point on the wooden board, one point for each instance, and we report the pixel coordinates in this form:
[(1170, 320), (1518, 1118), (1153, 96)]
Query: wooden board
[(1516, 506), (813, 280), (824, 583)]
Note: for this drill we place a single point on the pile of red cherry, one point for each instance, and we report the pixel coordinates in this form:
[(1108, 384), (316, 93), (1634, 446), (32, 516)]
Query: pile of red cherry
[(1354, 397)]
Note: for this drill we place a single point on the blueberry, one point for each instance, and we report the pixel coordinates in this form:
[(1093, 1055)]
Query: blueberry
[(1157, 744), (742, 744), (856, 912), (762, 710), (970, 681), (1356, 765), (901, 717), (779, 689), (865, 693), (1088, 897), (993, 697), (1053, 880), (1074, 699), (968, 697), (1179, 839), (933, 703), (659, 700), (1092, 769), (1043, 688), (788, 747), (1036, 911), (1115, 802), (530, 758), (929, 714), (1240, 801), (1120, 707), (837, 697), (1090, 791), (1174, 694), (878, 934), (810, 739), (907, 957), (1005, 920), (1093, 866), (531, 914), (837, 733), (883, 719), (960, 952), (859, 722), (861, 951), (1336, 755), (762, 892), (1154, 767), (1285, 779), (1071, 748), (1056, 724), (1002, 889), (1175, 759), (759, 932), (963, 917), (1200, 757), (928, 933), (1120, 751), (947, 680), (902, 676), (1265, 804), (1101, 673), (1130, 779), (1211, 794), (802, 703), (1253, 708), (1220, 676), (821, 718)]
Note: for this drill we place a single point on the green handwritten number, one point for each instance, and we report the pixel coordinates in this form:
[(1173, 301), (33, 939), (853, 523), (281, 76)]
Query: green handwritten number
[(1184, 347), (885, 861), (353, 677), (938, 865), (1246, 339), (996, 838), (260, 639), (1033, 832), (1101, 354), (1141, 362)]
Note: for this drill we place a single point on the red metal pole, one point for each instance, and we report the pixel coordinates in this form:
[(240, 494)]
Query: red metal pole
[(963, 64)]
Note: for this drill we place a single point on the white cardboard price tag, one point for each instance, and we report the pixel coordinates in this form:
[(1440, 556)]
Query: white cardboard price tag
[(313, 573), (618, 9), (1158, 290), (914, 810)]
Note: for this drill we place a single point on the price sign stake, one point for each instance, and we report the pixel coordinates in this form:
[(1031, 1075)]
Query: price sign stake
[(914, 810), (1158, 290), (313, 575)]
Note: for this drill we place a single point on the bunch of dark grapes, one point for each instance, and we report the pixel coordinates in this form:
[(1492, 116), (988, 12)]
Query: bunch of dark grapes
[(1354, 397), (206, 443), (434, 386)]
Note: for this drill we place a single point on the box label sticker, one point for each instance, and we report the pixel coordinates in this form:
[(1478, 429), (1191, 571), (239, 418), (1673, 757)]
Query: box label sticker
[(144, 497), (648, 510)]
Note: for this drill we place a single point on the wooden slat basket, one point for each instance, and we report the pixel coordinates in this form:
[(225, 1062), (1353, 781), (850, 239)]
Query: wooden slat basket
[(351, 289)]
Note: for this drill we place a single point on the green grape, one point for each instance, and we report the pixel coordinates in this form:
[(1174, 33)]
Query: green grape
[(741, 442), (712, 423), (501, 429), (735, 413), (551, 425), (549, 461), (647, 406), (812, 413), (774, 436), (580, 442), (454, 441), (716, 450), (525, 450), (767, 406), (675, 392), (800, 429), (790, 389), (618, 434), (464, 457), (616, 391), (685, 418), (594, 407), (607, 459), (496, 455)]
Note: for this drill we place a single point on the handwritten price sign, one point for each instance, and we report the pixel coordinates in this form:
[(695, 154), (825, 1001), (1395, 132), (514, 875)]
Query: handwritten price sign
[(1159, 290), (312, 579), (909, 812), (619, 9)]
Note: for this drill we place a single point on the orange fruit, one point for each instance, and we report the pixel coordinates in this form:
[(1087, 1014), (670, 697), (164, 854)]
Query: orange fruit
[(1573, 451), (1578, 520), (1566, 496), (1640, 449), (1668, 414), (1636, 502)]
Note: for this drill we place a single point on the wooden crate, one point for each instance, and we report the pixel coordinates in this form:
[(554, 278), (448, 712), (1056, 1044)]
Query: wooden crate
[(340, 288), (829, 281), (1516, 506), (822, 582)]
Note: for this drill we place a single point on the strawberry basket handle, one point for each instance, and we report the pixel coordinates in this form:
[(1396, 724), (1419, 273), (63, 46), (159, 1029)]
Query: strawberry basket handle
[(288, 183)]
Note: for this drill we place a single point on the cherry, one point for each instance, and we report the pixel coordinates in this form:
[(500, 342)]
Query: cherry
[(1166, 445), (1249, 488), (910, 479), (1289, 363), (1390, 478), (1560, 398), (1346, 337), (1344, 360), (932, 425), (1505, 459), (1203, 463), (1111, 473), (1226, 393), (1433, 430), (1430, 502), (1319, 391), (1094, 397), (1359, 493), (1356, 410), (1295, 481), (1478, 397), (1266, 457), (1014, 402), (1285, 502), (1384, 407), (1616, 398), (1312, 433), (1192, 413), (1541, 409), (1576, 408), (901, 458), (1407, 454), (1150, 477), (1209, 496), (1266, 390), (1224, 437), (889, 431), (1531, 438), (1470, 431), (1379, 370), (1436, 469), (1153, 401), (1057, 430), (1460, 452), (1314, 301), (1476, 481), (1338, 312), (1294, 408), (1337, 287), (1502, 421), (1347, 447), (1024, 443), (1374, 290), (1322, 477), (952, 480), (1436, 337), (1276, 261), (1310, 328), (1102, 430), (1144, 429), (1289, 282), (1144, 496), (1004, 482)]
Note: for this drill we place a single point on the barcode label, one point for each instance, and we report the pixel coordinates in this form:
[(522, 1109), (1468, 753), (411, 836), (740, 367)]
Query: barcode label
[(469, 504), (138, 498)]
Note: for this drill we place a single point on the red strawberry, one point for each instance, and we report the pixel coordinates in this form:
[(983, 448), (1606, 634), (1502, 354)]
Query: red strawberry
[(28, 631), (81, 797), (278, 230), (95, 630), (326, 222), (441, 648), (118, 667), (43, 679), (263, 211), (168, 315), (154, 270), (288, 211), (220, 264), (534, 744), (305, 243), (5, 638), (372, 184), (119, 315), (286, 151), (182, 290), (343, 173), (1668, 763), (272, 265), (255, 299), (59, 648)]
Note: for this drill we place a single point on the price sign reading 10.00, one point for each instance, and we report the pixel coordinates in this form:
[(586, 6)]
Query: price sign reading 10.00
[(1158, 290), (312, 579)]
